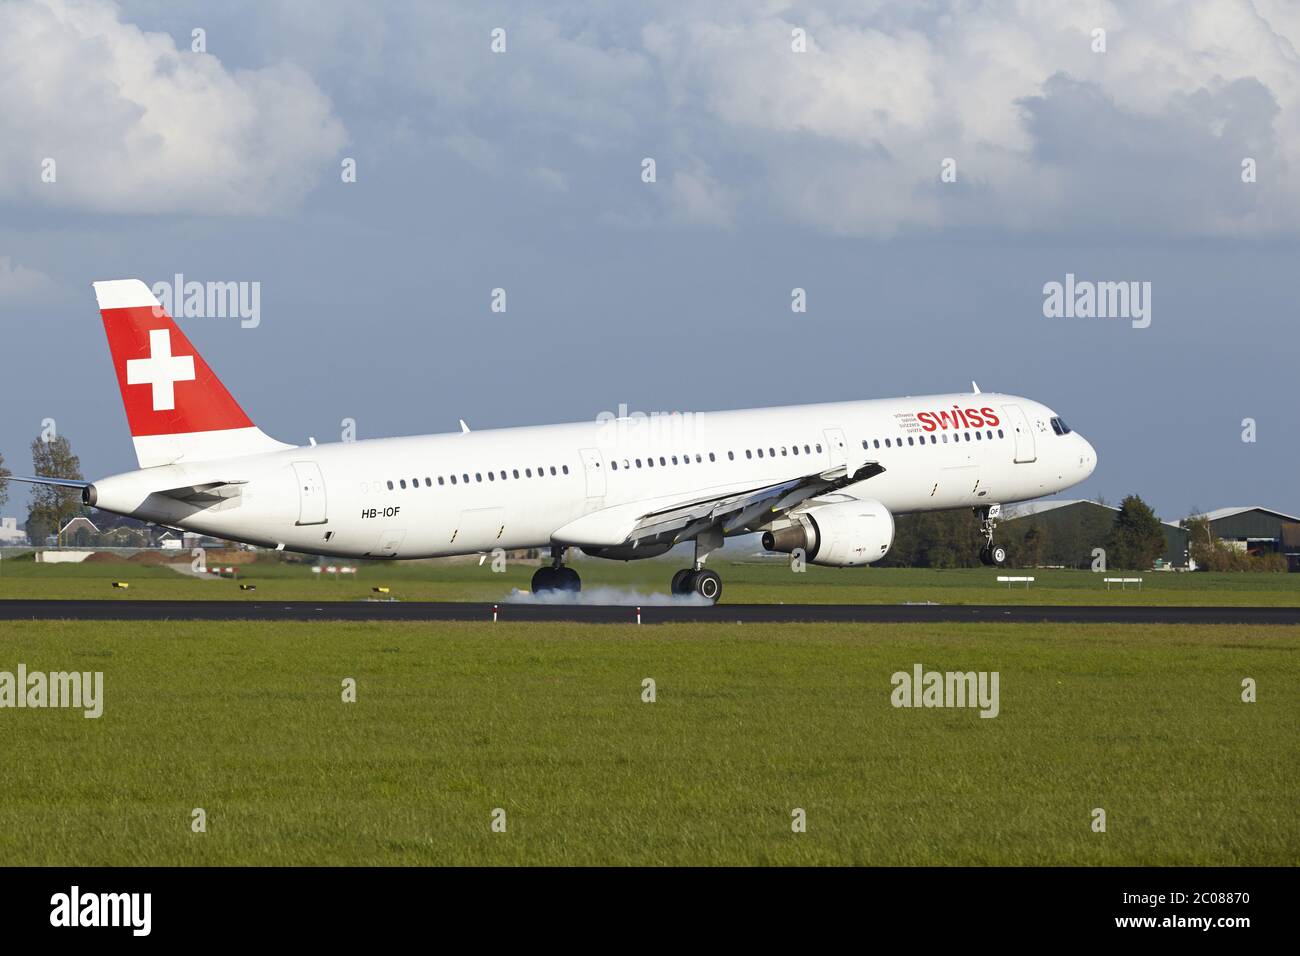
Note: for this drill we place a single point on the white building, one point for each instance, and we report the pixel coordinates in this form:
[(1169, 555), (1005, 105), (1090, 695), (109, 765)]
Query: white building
[(10, 533)]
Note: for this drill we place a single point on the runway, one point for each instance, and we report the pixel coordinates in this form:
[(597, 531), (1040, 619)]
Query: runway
[(135, 610)]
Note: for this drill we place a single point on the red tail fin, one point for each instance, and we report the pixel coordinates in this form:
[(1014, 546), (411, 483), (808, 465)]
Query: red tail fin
[(177, 408)]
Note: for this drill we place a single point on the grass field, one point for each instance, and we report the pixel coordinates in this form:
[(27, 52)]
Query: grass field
[(744, 582), (547, 723)]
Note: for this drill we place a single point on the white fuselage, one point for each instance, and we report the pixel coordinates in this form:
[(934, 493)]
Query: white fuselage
[(522, 487)]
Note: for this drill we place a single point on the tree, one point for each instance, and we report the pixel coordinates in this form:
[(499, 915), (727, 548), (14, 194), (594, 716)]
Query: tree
[(1031, 549), (4, 485), (1212, 553), (1137, 537), (53, 507)]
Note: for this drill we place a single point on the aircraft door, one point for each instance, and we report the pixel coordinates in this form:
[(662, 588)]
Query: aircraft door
[(311, 493), (1026, 450)]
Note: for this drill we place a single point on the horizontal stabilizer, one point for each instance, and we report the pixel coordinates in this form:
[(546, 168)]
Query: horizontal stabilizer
[(57, 482)]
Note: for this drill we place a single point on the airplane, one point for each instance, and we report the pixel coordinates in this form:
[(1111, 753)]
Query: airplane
[(823, 481)]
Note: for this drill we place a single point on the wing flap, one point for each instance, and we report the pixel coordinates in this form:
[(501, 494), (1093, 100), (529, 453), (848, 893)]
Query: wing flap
[(624, 525)]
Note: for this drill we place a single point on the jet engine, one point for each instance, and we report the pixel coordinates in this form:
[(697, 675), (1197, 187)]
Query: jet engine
[(843, 534)]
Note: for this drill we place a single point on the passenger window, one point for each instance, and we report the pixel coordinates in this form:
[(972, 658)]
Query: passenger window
[(909, 440), (807, 450), (403, 483), (478, 476), (1000, 435), (760, 453), (492, 476), (795, 448), (699, 460), (662, 460), (552, 469), (440, 481), (819, 449), (783, 454), (674, 459), (888, 444), (638, 462), (613, 465), (515, 472), (465, 479), (945, 438), (749, 454), (711, 458), (771, 452), (566, 468), (979, 436), (453, 479), (528, 473)]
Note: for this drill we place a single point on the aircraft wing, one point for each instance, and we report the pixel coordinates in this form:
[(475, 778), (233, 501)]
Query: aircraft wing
[(682, 520)]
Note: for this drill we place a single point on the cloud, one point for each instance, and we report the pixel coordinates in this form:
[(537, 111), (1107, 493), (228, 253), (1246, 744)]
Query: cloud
[(847, 138), (22, 285), (136, 125), (1047, 133)]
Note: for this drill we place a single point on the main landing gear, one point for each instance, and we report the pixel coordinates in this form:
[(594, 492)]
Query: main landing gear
[(991, 554), (697, 579), (557, 577)]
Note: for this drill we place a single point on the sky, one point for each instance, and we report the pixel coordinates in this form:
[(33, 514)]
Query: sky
[(922, 170)]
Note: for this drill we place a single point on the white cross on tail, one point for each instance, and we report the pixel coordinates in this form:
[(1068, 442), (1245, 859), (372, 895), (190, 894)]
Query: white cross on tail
[(161, 369)]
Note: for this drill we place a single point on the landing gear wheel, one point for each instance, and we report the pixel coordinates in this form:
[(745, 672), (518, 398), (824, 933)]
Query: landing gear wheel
[(567, 580), (544, 579), (681, 582), (707, 584), (986, 556), (997, 556)]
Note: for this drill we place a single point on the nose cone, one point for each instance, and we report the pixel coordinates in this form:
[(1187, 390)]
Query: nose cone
[(1087, 456)]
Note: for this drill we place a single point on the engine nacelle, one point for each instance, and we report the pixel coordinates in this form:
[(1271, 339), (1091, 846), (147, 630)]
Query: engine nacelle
[(844, 534)]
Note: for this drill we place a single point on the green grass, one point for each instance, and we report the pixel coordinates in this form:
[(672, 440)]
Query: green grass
[(743, 582), (546, 721)]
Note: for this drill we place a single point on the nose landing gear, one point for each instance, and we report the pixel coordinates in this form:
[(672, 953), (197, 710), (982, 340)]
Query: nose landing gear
[(991, 554), (557, 577)]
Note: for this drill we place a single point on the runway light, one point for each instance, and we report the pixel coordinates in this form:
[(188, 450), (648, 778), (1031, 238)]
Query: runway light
[(638, 615), (121, 584), (494, 613), (380, 590), (248, 587)]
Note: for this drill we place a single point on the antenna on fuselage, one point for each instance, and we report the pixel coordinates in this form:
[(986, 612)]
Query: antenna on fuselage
[(975, 388), (464, 429)]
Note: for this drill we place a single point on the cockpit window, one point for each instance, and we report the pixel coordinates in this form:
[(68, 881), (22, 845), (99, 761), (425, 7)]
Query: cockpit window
[(1059, 426)]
